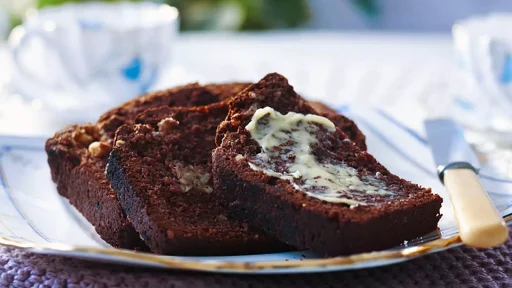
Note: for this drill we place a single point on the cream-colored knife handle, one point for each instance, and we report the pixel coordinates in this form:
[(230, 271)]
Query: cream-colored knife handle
[(479, 223)]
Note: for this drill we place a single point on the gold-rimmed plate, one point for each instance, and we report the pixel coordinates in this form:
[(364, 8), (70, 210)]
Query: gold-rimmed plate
[(34, 217)]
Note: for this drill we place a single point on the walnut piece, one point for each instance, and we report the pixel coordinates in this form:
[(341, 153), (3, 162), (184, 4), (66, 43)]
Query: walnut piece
[(84, 139), (92, 130), (165, 126), (86, 134), (189, 178), (99, 149), (119, 143)]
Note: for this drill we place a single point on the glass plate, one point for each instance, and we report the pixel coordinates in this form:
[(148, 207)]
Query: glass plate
[(34, 217)]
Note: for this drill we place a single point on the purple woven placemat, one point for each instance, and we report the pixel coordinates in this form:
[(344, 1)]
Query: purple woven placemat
[(458, 267)]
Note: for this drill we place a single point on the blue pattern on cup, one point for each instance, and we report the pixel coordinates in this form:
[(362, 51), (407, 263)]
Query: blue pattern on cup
[(133, 70), (506, 76)]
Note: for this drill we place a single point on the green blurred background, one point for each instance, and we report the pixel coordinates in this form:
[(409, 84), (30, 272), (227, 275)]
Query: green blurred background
[(231, 15)]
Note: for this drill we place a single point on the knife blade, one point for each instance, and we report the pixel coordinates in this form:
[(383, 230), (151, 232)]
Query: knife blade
[(448, 144), (478, 220)]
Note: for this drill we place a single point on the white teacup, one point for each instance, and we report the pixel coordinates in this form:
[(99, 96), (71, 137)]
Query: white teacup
[(88, 56), (483, 46)]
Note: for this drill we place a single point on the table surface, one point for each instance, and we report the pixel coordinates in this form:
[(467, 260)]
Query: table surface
[(407, 74), (457, 267)]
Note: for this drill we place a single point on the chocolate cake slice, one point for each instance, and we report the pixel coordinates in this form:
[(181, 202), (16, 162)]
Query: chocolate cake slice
[(161, 172), (77, 156), (291, 173)]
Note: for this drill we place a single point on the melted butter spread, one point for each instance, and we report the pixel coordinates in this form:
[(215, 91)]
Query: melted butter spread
[(286, 153)]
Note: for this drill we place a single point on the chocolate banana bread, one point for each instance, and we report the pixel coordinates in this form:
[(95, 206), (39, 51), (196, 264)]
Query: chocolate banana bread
[(161, 172), (164, 162), (294, 175), (77, 156)]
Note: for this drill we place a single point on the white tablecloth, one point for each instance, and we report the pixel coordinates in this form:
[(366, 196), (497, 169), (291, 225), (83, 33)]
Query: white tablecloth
[(411, 74)]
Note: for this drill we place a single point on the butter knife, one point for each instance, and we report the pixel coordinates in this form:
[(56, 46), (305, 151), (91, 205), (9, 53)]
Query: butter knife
[(480, 225)]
